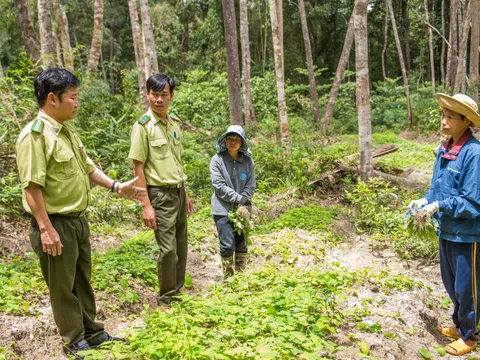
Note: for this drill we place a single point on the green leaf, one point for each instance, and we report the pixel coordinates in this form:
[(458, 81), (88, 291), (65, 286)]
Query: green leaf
[(188, 281), (364, 347), (425, 353), (440, 350)]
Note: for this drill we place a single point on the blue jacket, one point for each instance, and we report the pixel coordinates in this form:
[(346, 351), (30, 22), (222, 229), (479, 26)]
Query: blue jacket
[(456, 187)]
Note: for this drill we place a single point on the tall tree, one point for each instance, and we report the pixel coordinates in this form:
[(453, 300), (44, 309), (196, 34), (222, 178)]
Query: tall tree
[(277, 54), (342, 65), (97, 39), (62, 26), (452, 49), (402, 65), (28, 31), (442, 56), (430, 45), (475, 43), (363, 88), (462, 53), (150, 51), (138, 49), (1, 70), (385, 43), (246, 64), (406, 36), (45, 30), (233, 67), (56, 43), (308, 53)]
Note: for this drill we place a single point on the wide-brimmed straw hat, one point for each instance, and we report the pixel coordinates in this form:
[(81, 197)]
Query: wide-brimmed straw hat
[(461, 104)]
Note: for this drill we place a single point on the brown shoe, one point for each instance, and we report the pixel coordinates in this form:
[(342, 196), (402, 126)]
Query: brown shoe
[(240, 261)]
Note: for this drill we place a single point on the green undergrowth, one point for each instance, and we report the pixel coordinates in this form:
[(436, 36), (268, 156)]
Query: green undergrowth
[(267, 314)]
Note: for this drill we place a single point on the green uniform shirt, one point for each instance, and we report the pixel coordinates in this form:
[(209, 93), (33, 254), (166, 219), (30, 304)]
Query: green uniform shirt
[(158, 146), (51, 155)]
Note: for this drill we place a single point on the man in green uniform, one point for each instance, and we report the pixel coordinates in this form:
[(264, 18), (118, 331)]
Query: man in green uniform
[(56, 173), (156, 152)]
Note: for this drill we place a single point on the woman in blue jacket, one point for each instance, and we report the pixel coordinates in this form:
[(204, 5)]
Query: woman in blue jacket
[(233, 179), (454, 200)]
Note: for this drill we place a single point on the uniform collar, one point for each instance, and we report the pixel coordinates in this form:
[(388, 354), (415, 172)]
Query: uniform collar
[(453, 153), (52, 123), (231, 159), (155, 117)]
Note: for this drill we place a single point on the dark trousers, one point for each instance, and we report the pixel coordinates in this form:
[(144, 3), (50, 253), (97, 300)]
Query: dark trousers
[(459, 263), (230, 240), (68, 278), (171, 211)]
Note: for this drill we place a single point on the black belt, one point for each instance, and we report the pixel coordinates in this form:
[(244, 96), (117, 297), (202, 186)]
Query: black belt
[(70, 215)]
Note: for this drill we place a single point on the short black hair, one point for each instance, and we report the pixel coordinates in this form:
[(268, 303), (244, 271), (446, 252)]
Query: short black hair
[(158, 82), (55, 81)]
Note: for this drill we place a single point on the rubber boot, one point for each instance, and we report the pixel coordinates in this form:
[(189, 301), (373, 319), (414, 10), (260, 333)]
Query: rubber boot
[(227, 265), (240, 261)]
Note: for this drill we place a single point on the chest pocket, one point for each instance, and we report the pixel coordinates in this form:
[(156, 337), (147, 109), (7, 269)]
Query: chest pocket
[(65, 166), (159, 148)]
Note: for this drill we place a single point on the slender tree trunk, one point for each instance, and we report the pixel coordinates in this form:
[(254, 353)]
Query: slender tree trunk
[(138, 49), (246, 64), (277, 53), (58, 48), (45, 30), (264, 58), (363, 88), (462, 55), (452, 50), (28, 31), (96, 47), (150, 51), (311, 73), (442, 56), (406, 29), (385, 43), (1, 70), (342, 64), (233, 67), (402, 65), (280, 31), (62, 26), (475, 42), (430, 44)]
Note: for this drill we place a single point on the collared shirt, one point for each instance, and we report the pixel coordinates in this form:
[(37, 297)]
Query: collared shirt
[(159, 147), (456, 187), (232, 179), (55, 159)]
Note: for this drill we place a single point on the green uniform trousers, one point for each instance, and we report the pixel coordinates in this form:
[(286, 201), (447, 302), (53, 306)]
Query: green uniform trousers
[(68, 278), (171, 211)]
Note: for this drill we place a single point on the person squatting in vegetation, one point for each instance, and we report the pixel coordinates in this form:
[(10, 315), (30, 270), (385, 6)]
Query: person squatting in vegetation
[(156, 151), (55, 172), (233, 179), (454, 200)]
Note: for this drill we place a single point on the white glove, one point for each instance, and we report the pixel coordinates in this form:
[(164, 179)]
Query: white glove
[(416, 204), (431, 208)]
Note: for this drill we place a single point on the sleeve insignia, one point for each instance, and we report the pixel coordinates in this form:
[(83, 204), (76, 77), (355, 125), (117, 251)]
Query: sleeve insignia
[(144, 119), (37, 126)]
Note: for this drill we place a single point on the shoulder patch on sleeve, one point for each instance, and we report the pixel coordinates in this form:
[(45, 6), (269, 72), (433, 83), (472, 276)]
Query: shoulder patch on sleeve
[(37, 126), (144, 119), (176, 118)]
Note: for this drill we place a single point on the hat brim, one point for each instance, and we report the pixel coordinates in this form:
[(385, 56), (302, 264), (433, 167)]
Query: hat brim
[(449, 102)]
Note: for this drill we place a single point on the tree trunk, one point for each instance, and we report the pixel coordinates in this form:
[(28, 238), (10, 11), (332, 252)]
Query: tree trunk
[(385, 42), (96, 47), (363, 88), (277, 53), (342, 64), (311, 73), (475, 42), (138, 49), (62, 26), (279, 4), (246, 64), (58, 48), (406, 29), (150, 51), (452, 50), (462, 54), (442, 56), (45, 30), (28, 31), (1, 70), (233, 67), (430, 45), (402, 65)]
